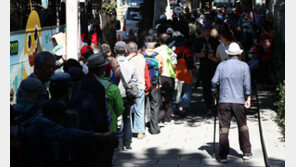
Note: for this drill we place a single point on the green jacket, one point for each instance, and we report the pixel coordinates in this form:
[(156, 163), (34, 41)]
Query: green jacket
[(115, 102)]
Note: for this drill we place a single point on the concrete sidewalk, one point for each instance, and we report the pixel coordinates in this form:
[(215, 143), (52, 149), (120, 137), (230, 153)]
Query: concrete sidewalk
[(188, 142)]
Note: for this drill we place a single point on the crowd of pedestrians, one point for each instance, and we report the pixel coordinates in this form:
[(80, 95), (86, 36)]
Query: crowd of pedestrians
[(75, 121)]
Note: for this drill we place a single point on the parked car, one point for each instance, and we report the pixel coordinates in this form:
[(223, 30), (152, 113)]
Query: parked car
[(131, 21)]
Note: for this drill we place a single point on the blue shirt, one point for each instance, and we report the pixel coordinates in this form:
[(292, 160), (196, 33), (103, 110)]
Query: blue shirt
[(234, 80)]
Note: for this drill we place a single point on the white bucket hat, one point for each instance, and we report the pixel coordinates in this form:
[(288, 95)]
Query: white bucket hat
[(234, 49)]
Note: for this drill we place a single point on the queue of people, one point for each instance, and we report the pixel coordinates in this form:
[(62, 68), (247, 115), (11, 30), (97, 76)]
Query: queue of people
[(75, 123)]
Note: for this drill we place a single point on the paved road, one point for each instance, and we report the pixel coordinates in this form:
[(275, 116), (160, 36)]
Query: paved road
[(188, 142)]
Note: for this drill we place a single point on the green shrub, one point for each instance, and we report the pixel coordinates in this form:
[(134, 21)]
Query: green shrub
[(279, 80), (280, 104)]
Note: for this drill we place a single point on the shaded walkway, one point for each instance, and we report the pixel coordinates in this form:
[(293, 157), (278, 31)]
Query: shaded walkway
[(188, 142)]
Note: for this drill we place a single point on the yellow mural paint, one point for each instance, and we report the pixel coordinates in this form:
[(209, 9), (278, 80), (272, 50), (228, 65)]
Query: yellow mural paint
[(32, 44)]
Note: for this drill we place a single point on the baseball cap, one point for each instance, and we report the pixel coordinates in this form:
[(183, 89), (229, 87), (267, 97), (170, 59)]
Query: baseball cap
[(86, 51), (61, 80), (31, 85), (76, 73), (120, 45), (206, 26)]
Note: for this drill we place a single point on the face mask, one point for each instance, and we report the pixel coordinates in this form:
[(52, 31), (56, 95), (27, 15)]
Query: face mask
[(245, 30)]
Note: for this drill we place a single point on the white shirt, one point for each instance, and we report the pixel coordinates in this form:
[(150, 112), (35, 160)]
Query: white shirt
[(221, 51)]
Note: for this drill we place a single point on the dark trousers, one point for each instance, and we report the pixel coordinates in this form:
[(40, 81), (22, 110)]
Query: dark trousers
[(207, 93), (127, 127), (155, 101), (167, 93), (225, 111)]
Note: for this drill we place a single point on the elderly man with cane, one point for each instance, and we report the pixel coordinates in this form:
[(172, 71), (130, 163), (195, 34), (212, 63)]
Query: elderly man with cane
[(234, 80)]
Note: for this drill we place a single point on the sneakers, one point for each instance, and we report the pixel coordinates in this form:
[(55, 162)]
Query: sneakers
[(140, 135), (126, 148), (247, 156), (223, 159)]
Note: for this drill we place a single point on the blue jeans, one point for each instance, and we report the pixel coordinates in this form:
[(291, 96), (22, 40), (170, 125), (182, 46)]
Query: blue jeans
[(185, 100), (139, 113)]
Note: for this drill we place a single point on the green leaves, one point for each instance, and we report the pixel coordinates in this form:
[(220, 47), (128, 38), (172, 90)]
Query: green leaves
[(109, 7)]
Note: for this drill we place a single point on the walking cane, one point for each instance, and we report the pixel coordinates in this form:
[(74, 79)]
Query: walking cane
[(215, 118)]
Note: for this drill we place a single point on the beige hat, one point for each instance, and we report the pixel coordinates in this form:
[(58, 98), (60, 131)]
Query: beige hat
[(234, 49)]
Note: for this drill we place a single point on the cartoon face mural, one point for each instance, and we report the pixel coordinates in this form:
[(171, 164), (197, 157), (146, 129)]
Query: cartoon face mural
[(33, 37)]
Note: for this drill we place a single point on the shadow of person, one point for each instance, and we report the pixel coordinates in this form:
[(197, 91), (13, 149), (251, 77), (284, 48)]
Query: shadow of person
[(209, 149)]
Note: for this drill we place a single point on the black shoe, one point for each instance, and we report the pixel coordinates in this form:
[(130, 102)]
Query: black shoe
[(247, 156), (223, 159), (126, 148), (155, 133)]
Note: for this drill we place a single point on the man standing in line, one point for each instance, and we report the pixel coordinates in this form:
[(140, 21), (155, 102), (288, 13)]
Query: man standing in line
[(44, 67), (167, 77), (143, 86), (154, 93), (128, 76), (234, 80)]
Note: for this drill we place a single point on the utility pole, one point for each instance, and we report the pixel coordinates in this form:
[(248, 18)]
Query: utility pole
[(72, 29)]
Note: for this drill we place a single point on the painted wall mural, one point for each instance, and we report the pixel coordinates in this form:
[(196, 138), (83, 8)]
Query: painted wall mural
[(24, 46)]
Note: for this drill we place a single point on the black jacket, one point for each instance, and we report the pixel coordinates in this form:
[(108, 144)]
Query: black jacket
[(91, 85)]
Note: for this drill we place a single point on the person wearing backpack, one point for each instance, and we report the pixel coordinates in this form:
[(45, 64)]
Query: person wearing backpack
[(154, 63), (143, 86), (128, 86), (167, 78)]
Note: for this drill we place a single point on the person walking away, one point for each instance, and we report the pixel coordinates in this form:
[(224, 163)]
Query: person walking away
[(143, 86), (128, 77), (167, 78), (184, 73), (155, 64), (205, 49), (44, 67), (233, 80)]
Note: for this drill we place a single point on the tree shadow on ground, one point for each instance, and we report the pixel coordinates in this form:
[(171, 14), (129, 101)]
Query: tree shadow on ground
[(154, 157)]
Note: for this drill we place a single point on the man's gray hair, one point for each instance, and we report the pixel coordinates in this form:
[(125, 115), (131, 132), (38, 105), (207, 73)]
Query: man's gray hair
[(132, 47), (41, 58), (97, 49), (150, 45)]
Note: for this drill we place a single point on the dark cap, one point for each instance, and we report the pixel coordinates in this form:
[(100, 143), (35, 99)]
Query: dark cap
[(206, 26), (76, 73), (120, 46), (61, 79), (31, 85), (96, 60)]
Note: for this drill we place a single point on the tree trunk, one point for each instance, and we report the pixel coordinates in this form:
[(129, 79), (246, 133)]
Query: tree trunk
[(147, 19), (159, 9), (190, 4), (108, 25)]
